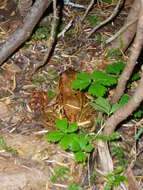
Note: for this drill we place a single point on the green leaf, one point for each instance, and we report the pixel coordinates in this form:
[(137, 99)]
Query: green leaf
[(108, 186), (101, 104), (93, 20), (75, 146), (103, 78), (124, 99), (54, 136), (74, 186), (139, 133), (72, 128), (119, 179), (113, 53), (96, 89), (135, 77), (115, 68), (82, 82), (88, 148), (114, 108), (83, 140), (71, 142), (65, 142), (62, 125), (138, 113), (80, 156)]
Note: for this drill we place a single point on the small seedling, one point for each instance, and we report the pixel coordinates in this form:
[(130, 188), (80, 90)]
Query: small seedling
[(119, 152), (93, 20), (139, 133), (6, 147), (41, 33), (60, 174), (114, 179), (113, 53), (74, 186)]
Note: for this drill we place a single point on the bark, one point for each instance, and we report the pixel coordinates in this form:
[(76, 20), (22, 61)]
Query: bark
[(126, 110), (24, 30), (135, 52), (128, 34)]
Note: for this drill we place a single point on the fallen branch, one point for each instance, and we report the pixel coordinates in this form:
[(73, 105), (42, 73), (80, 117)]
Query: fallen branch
[(88, 9), (24, 30), (111, 17)]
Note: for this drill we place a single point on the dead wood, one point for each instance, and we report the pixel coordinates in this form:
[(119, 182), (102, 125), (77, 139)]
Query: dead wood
[(24, 30), (128, 31)]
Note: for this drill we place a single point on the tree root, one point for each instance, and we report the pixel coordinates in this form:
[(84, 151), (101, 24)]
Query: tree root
[(127, 32), (135, 52), (24, 31), (136, 99)]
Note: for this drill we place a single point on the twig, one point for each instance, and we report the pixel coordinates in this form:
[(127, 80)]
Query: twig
[(115, 12), (88, 9), (67, 27), (52, 38), (125, 27), (68, 2)]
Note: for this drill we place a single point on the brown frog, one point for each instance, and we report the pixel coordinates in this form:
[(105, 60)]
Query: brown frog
[(69, 104), (72, 100)]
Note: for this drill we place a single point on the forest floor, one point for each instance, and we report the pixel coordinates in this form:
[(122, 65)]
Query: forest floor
[(21, 129)]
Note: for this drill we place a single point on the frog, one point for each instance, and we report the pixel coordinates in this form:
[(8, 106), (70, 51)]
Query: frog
[(68, 103)]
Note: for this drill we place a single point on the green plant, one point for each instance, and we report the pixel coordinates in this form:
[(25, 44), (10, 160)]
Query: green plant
[(60, 173), (41, 33), (114, 179), (119, 152), (139, 133), (114, 136), (108, 1), (69, 138), (98, 83), (113, 53), (101, 104), (93, 20), (6, 147), (74, 186)]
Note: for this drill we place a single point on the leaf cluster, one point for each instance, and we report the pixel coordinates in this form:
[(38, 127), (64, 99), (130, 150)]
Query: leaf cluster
[(102, 104), (66, 134), (98, 82)]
